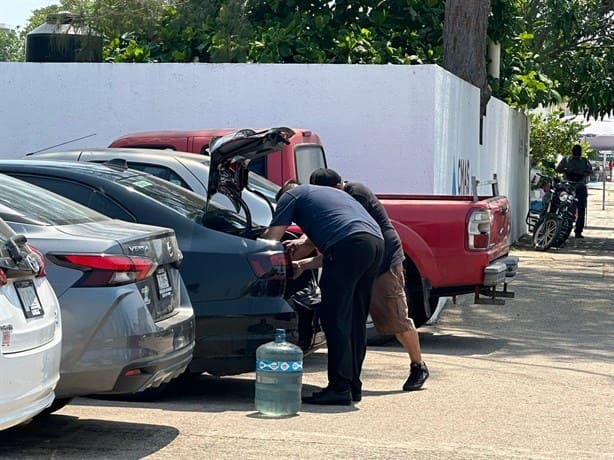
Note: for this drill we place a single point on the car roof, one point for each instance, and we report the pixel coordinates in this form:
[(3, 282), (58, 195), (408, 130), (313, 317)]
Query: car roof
[(144, 152), (76, 168), (200, 133)]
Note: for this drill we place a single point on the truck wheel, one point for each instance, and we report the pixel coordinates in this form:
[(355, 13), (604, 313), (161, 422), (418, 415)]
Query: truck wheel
[(415, 305), (415, 297), (546, 233), (418, 314)]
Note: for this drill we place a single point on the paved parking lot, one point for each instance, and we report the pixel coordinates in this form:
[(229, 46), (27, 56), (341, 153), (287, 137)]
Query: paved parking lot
[(531, 379)]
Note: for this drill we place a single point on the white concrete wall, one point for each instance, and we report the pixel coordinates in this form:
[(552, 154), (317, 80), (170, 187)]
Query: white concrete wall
[(400, 129)]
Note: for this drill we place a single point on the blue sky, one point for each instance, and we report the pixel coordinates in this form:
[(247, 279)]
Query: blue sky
[(17, 12)]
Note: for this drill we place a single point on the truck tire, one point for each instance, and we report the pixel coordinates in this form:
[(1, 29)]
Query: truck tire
[(418, 314), (415, 296)]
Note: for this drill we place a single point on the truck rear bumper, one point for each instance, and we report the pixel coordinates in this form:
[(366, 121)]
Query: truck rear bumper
[(497, 276)]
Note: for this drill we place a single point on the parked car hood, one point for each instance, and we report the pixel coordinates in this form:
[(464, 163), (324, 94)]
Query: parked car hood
[(231, 153)]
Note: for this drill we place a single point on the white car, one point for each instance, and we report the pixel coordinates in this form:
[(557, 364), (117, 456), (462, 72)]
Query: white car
[(30, 332)]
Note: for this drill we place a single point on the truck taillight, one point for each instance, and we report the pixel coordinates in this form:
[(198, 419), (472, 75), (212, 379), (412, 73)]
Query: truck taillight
[(270, 264), (478, 230), (105, 270)]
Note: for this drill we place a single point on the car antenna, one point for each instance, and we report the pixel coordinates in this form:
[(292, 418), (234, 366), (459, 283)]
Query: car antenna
[(63, 143)]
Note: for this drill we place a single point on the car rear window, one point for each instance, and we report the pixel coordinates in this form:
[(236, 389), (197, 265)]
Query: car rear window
[(186, 203), (42, 206)]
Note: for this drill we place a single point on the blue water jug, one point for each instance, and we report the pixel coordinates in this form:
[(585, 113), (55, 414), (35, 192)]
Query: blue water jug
[(279, 375)]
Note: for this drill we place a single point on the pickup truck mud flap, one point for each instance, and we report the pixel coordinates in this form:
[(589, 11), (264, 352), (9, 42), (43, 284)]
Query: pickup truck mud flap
[(498, 273)]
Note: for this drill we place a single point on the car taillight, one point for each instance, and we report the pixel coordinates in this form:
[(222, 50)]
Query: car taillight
[(478, 230), (104, 269), (40, 258), (270, 264)]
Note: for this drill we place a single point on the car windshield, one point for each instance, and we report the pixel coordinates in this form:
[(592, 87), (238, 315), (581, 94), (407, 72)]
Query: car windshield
[(190, 205), (28, 202)]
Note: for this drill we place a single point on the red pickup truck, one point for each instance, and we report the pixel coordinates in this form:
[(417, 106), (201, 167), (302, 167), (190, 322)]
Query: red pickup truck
[(453, 244)]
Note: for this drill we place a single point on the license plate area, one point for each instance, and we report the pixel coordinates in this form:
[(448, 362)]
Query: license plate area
[(28, 297), (165, 290)]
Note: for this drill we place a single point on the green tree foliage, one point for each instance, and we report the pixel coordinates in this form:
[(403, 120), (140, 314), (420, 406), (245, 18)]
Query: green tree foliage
[(365, 32), (554, 51), (11, 46), (553, 136)]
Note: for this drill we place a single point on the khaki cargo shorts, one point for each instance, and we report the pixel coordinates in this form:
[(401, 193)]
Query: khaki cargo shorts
[(388, 302)]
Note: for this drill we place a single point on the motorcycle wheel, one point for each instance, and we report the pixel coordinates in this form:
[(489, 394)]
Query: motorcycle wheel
[(564, 232), (546, 233)]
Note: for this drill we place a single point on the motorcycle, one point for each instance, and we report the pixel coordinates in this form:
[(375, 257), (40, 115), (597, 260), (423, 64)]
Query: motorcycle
[(552, 224)]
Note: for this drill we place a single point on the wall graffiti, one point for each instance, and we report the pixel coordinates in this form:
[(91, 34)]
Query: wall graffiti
[(464, 177)]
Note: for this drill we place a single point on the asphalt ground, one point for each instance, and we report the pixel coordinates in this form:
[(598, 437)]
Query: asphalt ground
[(533, 378)]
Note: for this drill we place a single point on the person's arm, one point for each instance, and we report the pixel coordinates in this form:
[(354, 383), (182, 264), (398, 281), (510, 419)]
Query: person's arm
[(562, 166), (282, 218), (310, 263), (300, 247), (588, 169), (274, 233)]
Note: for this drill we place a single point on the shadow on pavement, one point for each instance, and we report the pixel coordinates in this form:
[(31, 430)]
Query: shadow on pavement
[(81, 438), (207, 393)]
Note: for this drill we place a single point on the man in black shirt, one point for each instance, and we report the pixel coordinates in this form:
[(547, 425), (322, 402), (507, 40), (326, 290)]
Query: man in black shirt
[(351, 248), (388, 302), (577, 169)]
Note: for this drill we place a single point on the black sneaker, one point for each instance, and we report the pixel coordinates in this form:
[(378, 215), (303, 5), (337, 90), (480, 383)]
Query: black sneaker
[(418, 373), (328, 397)]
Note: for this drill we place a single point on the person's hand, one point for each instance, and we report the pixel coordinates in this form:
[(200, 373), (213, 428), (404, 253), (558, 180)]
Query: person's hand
[(299, 249), (292, 246)]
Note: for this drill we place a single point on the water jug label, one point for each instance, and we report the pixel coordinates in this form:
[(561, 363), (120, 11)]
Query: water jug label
[(279, 366)]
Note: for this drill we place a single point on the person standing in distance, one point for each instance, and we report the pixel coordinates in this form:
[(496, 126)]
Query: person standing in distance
[(577, 169), (351, 248), (388, 308)]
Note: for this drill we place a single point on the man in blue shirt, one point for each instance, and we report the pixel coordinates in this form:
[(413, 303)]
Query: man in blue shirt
[(389, 309), (351, 249)]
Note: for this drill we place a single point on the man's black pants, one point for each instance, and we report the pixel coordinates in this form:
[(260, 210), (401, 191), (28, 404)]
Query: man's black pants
[(348, 271), (582, 196)]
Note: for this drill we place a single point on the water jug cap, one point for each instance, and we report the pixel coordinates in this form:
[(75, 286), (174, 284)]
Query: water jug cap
[(280, 335)]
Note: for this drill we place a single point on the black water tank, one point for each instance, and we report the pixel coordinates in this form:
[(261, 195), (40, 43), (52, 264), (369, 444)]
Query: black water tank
[(63, 38)]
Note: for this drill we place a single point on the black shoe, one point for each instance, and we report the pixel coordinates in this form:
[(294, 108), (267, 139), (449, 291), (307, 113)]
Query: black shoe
[(579, 235), (356, 396), (328, 397), (418, 373)]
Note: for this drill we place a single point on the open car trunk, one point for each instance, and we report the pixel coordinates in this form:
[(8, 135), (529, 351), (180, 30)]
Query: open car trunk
[(228, 174)]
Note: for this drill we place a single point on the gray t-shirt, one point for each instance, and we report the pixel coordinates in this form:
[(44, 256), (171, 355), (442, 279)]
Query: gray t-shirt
[(325, 214)]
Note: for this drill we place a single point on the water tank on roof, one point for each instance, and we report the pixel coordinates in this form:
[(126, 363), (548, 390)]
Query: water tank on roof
[(63, 38)]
